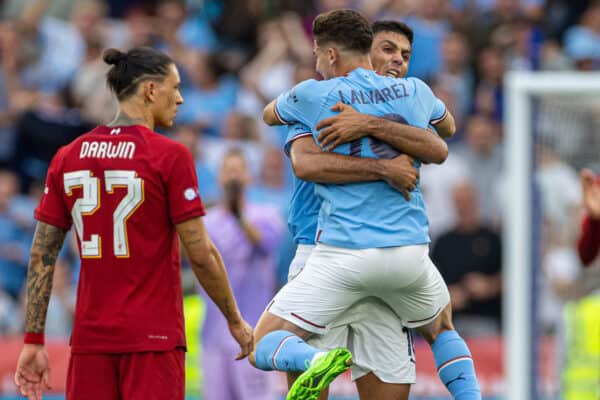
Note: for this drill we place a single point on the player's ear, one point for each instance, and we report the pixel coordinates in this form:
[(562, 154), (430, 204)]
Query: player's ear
[(332, 55), (150, 91)]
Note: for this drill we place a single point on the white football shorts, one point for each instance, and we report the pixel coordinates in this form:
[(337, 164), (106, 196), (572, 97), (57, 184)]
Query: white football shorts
[(371, 331), (335, 278)]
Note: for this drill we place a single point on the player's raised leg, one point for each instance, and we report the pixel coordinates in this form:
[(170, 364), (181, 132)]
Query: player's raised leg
[(280, 346)]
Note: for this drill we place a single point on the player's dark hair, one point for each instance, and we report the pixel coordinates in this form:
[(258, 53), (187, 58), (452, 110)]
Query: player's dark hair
[(346, 28), (131, 68), (393, 26)]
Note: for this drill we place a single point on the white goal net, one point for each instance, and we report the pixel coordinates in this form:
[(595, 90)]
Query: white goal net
[(552, 130)]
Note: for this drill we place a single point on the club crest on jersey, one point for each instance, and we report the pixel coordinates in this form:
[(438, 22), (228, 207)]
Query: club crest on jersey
[(190, 194)]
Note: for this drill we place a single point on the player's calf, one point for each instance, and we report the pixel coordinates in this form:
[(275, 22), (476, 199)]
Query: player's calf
[(452, 357)]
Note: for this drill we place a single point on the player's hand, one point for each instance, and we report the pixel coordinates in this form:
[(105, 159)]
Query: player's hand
[(401, 174), (591, 193), (345, 127), (33, 371), (243, 334)]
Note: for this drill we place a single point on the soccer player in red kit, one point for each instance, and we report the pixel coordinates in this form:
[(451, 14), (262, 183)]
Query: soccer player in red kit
[(589, 239), (130, 194)]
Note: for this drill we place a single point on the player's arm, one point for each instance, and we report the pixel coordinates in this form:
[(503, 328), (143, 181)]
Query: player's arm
[(47, 242), (270, 115), (446, 126), (300, 104), (210, 271), (33, 367), (310, 163), (350, 125)]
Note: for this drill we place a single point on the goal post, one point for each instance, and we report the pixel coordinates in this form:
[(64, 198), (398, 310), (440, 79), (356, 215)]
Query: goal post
[(518, 229)]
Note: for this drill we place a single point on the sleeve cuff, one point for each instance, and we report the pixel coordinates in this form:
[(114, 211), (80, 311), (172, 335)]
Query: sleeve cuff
[(438, 120), (287, 147), (33, 338), (278, 115), (52, 221)]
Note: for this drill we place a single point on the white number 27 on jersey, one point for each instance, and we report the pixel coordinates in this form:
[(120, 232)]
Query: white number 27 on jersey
[(89, 203)]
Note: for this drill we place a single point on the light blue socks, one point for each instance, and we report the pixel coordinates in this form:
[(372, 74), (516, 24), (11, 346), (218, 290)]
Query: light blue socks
[(284, 351), (455, 366)]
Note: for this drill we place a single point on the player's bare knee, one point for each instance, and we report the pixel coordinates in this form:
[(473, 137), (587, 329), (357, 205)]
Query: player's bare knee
[(442, 323)]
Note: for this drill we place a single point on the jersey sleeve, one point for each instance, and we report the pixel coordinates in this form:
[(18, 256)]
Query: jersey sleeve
[(52, 208), (295, 131), (432, 106), (182, 188), (300, 104)]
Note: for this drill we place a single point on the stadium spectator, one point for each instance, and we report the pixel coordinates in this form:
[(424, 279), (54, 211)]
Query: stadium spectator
[(488, 96), (207, 179), (54, 121), (469, 258), (482, 153), (430, 27), (582, 42), (437, 183), (247, 234), (456, 73), (210, 92), (589, 241), (59, 48), (13, 246)]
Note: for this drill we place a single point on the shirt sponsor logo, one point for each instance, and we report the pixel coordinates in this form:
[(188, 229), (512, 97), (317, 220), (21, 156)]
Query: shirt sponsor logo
[(158, 337)]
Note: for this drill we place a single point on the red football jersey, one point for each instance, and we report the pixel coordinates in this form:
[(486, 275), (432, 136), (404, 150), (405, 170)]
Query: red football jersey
[(124, 189)]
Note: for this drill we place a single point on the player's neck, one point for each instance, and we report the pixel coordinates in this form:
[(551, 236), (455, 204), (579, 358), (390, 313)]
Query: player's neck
[(353, 63), (130, 114)]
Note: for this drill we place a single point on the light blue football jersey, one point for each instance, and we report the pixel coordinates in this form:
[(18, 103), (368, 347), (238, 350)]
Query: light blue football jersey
[(369, 214), (305, 204)]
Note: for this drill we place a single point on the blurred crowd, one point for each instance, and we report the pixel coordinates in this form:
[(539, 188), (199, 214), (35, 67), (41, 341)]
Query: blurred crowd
[(234, 57)]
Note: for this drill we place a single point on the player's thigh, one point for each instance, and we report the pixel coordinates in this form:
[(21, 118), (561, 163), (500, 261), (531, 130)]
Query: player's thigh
[(153, 375), (424, 295), (93, 377), (328, 285), (370, 387), (380, 345)]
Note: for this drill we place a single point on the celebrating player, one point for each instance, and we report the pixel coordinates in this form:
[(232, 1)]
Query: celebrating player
[(370, 243), (129, 192), (378, 374)]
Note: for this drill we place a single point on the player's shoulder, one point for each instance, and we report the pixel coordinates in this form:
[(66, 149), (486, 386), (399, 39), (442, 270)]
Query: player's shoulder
[(417, 84), (313, 87), (161, 144)]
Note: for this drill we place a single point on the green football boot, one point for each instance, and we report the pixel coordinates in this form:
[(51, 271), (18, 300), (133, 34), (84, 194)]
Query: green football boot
[(318, 376)]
